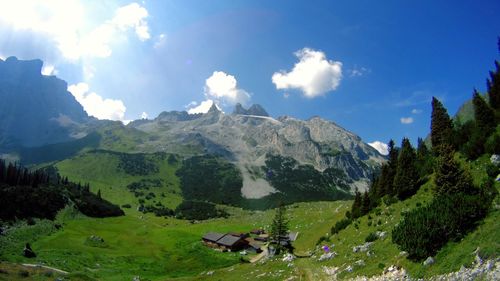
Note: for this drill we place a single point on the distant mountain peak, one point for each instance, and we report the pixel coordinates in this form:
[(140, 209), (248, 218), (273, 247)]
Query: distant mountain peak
[(255, 109), (214, 108)]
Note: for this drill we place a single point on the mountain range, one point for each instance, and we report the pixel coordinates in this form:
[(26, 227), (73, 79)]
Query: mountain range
[(38, 114)]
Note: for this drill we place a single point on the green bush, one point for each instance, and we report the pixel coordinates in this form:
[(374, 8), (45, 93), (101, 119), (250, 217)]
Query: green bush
[(197, 210), (371, 237), (340, 225), (424, 230)]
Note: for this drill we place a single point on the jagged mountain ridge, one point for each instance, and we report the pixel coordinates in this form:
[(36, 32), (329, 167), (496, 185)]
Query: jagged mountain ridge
[(246, 139), (38, 110)]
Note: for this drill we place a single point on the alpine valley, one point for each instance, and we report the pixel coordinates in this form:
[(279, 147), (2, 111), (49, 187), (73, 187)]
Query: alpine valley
[(89, 199)]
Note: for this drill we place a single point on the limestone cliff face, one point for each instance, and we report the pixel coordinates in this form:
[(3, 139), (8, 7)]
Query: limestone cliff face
[(246, 139), (35, 109)]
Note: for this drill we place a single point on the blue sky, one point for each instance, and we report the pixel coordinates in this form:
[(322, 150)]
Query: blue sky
[(370, 66)]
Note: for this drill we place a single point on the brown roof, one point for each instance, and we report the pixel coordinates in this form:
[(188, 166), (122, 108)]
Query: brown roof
[(228, 240), (213, 236)]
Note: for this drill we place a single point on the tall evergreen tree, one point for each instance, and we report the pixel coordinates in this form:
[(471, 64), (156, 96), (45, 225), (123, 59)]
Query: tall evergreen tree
[(356, 205), (441, 125), (493, 85), (406, 178), (386, 180), (279, 227), (365, 203), (449, 177), (484, 115), (424, 159)]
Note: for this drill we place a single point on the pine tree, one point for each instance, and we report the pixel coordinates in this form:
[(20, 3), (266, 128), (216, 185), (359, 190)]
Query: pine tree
[(449, 177), (356, 205), (386, 180), (424, 159), (406, 178), (99, 194), (279, 227), (365, 204), (441, 125), (484, 115), (493, 85)]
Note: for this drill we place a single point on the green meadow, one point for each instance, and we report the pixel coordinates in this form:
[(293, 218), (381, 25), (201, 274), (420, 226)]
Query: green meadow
[(166, 248)]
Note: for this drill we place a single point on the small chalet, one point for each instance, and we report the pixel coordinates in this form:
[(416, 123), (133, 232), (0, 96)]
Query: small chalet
[(224, 241)]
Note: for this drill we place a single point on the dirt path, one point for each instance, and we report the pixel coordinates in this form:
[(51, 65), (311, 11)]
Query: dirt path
[(45, 267), (264, 253)]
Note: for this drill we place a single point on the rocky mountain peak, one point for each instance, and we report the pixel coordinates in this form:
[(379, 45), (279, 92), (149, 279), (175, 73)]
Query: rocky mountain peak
[(255, 109), (33, 105), (13, 68)]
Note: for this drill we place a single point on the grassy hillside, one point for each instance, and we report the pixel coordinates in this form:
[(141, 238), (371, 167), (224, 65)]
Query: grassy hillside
[(157, 248), (104, 172)]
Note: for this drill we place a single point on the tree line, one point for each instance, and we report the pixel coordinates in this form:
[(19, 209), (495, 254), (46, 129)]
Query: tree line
[(458, 205), (42, 193)]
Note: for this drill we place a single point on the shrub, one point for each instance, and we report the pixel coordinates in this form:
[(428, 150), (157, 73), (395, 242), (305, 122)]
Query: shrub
[(423, 231), (371, 237), (197, 210), (322, 239), (340, 225)]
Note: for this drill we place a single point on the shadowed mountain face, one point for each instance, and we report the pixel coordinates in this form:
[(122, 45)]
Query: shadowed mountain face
[(35, 109)]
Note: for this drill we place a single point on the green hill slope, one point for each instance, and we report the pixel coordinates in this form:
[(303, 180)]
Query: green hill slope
[(113, 173)]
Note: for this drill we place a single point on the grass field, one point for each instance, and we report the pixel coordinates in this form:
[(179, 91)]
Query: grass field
[(100, 170), (158, 248)]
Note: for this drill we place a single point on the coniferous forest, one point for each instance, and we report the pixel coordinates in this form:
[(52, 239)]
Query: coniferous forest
[(458, 204), (42, 193)]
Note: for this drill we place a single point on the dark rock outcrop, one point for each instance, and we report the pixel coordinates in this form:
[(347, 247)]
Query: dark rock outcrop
[(35, 109)]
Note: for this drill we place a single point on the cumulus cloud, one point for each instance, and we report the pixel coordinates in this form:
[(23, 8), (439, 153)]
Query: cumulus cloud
[(67, 28), (381, 147), (406, 120), (314, 74), (144, 115), (223, 87), (96, 105), (203, 107), (416, 111)]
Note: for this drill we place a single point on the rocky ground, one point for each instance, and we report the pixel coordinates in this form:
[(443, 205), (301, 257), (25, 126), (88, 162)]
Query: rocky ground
[(481, 270)]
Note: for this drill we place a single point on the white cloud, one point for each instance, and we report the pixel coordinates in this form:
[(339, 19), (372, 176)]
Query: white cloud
[(144, 115), (406, 120), (191, 104), (48, 70), (133, 16), (314, 75), (416, 111), (73, 32), (202, 108), (222, 87), (381, 147), (97, 106)]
